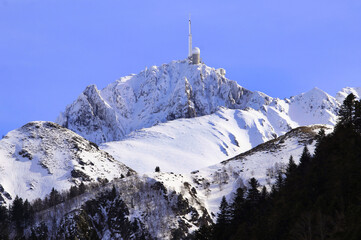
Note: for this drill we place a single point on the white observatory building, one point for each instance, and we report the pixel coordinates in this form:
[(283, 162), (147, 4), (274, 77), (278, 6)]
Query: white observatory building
[(194, 55)]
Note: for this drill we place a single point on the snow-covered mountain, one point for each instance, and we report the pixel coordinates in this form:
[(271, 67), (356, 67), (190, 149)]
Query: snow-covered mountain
[(164, 204), (42, 155), (182, 90)]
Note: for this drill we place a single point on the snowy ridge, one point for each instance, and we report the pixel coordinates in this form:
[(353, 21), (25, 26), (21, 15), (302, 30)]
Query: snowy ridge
[(262, 162), (42, 155), (341, 95)]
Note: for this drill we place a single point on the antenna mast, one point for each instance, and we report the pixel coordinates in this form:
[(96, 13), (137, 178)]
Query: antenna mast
[(190, 38)]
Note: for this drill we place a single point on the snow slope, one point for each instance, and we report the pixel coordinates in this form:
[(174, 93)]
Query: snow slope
[(42, 155), (183, 145), (313, 107)]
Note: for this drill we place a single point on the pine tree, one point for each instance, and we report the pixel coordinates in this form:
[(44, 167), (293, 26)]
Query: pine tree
[(346, 111), (305, 157), (4, 222), (28, 213), (264, 194), (157, 169), (17, 212), (223, 220), (253, 195), (291, 167), (237, 207), (54, 197), (224, 213), (320, 136), (279, 182)]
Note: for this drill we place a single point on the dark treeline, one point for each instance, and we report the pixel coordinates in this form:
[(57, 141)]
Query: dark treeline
[(318, 199), (20, 213)]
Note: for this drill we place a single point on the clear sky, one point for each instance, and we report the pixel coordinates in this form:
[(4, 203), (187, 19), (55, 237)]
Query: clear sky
[(50, 50)]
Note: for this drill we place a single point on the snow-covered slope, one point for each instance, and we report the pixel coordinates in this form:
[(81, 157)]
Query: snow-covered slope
[(182, 90), (183, 145), (262, 162), (42, 155)]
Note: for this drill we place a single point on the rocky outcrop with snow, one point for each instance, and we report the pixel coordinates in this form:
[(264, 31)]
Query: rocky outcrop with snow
[(42, 155), (182, 90), (158, 94)]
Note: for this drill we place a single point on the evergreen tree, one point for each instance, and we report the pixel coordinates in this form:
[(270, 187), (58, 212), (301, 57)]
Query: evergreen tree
[(54, 197), (223, 220), (345, 114), (237, 207), (291, 167), (157, 169), (305, 157), (224, 213), (264, 194), (253, 195), (279, 182), (17, 213), (4, 222), (28, 213)]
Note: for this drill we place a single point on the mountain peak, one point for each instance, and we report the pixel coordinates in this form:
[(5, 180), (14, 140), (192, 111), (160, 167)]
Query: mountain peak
[(158, 94)]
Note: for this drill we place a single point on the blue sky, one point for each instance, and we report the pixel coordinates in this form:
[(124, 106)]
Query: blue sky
[(50, 50)]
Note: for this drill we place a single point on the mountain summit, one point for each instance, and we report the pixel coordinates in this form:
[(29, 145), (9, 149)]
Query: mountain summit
[(183, 90), (171, 91)]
